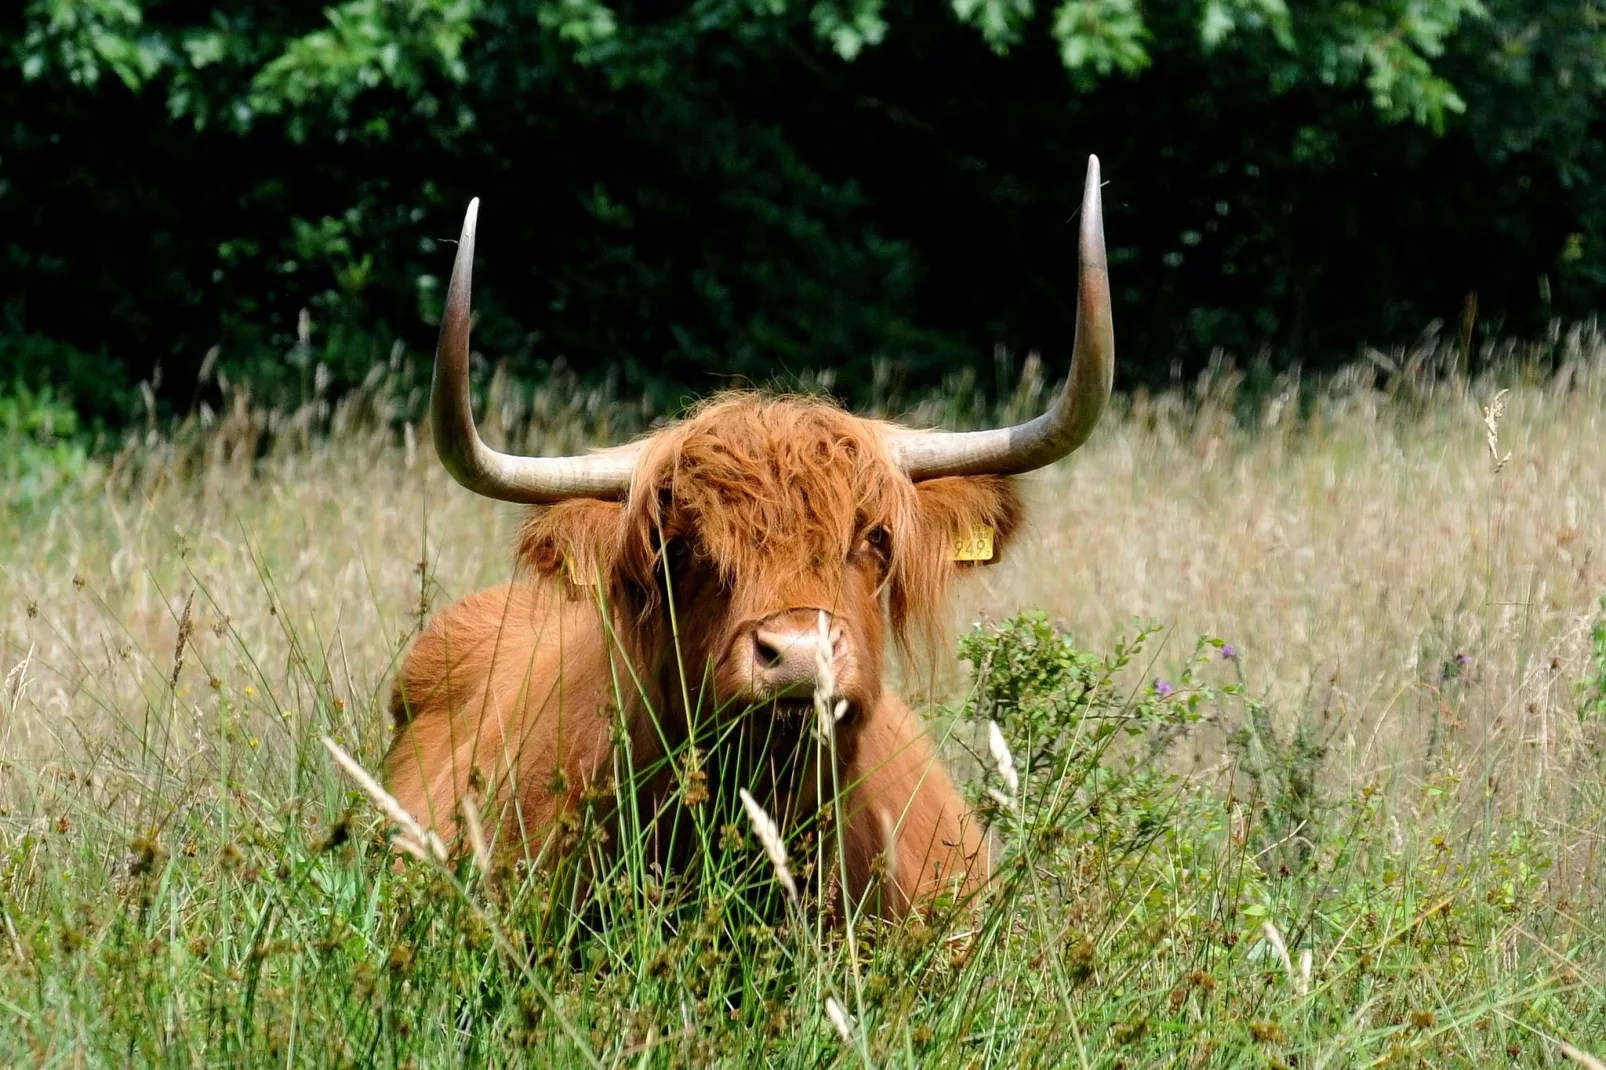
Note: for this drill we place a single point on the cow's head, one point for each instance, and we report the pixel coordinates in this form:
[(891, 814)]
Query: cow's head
[(720, 541), (751, 518)]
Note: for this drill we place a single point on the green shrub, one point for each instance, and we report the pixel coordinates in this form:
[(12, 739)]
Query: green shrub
[(41, 444), (1592, 690)]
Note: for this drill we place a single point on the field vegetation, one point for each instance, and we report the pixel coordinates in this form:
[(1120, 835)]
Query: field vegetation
[(1304, 694)]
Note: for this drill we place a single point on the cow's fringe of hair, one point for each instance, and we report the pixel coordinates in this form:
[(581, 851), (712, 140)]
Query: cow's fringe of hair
[(741, 470)]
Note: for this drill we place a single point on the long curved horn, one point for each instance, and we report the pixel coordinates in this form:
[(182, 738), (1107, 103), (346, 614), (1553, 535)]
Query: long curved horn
[(473, 463), (1008, 451)]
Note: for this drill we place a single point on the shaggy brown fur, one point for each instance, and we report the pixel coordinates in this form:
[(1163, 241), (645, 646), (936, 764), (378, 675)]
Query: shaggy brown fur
[(753, 508)]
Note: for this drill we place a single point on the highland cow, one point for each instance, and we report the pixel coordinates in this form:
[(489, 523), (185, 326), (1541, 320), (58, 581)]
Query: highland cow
[(704, 583)]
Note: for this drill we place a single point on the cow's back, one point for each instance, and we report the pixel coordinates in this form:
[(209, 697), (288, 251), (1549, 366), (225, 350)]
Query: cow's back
[(512, 682)]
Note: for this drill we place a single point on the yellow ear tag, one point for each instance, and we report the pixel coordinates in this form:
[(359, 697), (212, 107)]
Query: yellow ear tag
[(974, 545), (576, 577)]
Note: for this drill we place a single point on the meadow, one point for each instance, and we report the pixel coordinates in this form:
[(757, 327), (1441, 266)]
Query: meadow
[(1306, 691)]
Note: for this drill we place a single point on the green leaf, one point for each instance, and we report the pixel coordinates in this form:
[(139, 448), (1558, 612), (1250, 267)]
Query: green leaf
[(1101, 35), (999, 21), (584, 23), (368, 44), (85, 38), (849, 25)]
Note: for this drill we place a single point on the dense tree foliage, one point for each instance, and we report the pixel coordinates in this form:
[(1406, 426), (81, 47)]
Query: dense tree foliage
[(750, 188)]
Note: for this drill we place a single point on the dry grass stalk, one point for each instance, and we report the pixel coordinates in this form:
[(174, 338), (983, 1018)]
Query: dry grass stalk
[(186, 628), (423, 844), (1491, 425), (476, 836), (889, 854), (16, 680), (1582, 1058), (11, 936)]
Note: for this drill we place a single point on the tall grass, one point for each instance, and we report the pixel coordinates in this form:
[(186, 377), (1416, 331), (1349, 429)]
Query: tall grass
[(1359, 823)]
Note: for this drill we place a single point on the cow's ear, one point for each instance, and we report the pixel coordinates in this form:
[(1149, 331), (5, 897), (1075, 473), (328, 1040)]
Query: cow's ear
[(955, 518), (576, 541), (970, 519)]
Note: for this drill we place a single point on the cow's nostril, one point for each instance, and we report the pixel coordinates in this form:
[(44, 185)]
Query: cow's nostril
[(767, 654)]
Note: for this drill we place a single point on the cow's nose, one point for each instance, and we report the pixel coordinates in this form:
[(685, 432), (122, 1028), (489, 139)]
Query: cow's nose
[(785, 652)]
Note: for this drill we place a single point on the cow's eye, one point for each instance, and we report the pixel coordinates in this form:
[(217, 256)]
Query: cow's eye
[(876, 541)]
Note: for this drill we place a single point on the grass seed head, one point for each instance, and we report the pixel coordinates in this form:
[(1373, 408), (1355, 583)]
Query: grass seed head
[(1491, 425), (826, 711), (476, 836), (1003, 759), (186, 628), (16, 680), (1581, 1057), (1275, 939), (769, 837), (839, 1018)]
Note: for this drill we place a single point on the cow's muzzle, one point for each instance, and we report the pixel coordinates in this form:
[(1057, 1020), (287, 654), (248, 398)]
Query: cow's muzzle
[(789, 655)]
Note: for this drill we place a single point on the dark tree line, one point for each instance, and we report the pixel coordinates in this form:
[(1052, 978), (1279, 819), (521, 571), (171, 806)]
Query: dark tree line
[(696, 192)]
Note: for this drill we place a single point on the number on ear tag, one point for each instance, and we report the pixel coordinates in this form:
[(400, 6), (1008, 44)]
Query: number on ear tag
[(974, 545)]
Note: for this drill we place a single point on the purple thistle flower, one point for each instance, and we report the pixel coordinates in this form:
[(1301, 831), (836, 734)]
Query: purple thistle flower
[(1462, 658), (1229, 652), (1162, 688)]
